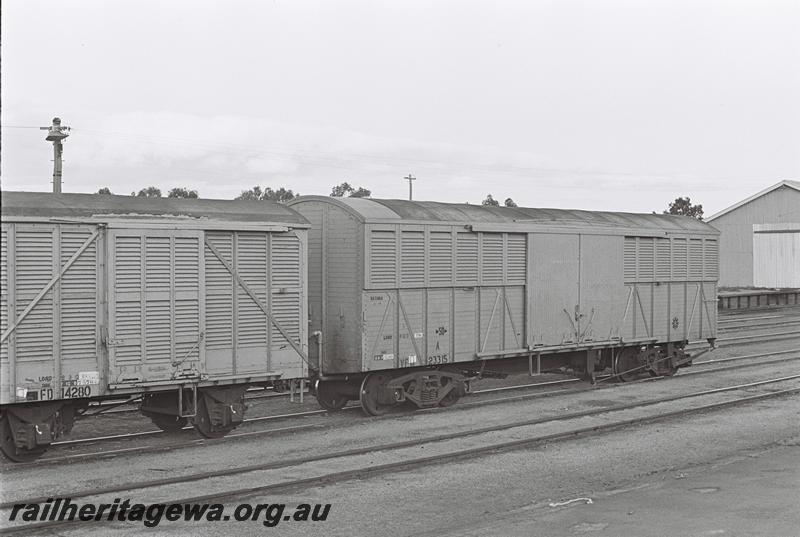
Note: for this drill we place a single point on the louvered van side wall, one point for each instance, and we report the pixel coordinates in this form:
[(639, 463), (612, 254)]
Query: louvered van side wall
[(55, 348), (240, 339), (436, 294), (671, 286)]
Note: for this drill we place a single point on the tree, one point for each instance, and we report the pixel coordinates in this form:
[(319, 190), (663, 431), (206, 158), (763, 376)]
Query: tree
[(105, 190), (683, 206), (180, 192), (361, 192), (282, 195), (149, 192), (345, 189), (490, 201), (256, 193), (339, 191)]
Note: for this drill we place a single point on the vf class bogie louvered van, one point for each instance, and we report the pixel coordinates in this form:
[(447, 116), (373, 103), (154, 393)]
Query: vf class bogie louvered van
[(414, 299), (184, 302)]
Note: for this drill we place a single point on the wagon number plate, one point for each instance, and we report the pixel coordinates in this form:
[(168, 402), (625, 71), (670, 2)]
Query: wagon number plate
[(69, 392)]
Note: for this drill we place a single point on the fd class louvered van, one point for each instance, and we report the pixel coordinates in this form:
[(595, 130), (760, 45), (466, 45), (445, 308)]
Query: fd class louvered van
[(414, 299), (183, 302)]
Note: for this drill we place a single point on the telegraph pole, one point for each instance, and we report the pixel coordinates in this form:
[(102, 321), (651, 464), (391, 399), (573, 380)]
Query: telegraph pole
[(56, 134), (410, 178)]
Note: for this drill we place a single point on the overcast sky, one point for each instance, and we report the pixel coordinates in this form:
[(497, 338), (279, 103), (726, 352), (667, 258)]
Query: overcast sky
[(604, 105)]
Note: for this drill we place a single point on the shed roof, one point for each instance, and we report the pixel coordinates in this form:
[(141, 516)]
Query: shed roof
[(47, 205), (790, 184), (372, 210)]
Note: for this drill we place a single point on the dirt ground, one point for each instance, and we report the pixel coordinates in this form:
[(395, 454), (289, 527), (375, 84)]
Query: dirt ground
[(732, 472)]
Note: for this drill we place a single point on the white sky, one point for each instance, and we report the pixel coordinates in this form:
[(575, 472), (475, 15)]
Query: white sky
[(599, 105)]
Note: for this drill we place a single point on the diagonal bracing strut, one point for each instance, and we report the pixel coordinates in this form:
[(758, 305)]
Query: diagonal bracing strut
[(258, 302)]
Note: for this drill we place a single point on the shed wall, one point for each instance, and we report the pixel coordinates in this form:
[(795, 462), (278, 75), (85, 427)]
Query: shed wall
[(776, 258), (736, 241)]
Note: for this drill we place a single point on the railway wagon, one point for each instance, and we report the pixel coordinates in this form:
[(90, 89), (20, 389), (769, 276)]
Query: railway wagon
[(414, 299), (182, 302)]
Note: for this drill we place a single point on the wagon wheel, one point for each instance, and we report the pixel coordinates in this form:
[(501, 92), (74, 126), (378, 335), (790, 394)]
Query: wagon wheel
[(369, 394), (10, 449), (660, 365), (167, 422), (202, 422), (453, 395), (627, 366), (328, 398)]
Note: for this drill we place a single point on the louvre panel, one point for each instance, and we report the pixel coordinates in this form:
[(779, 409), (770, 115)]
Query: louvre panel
[(285, 304), (251, 265), (646, 268), (629, 259), (412, 258), (696, 259), (128, 264), (78, 328), (663, 260), (383, 258), (286, 310), (186, 300), (159, 264), (440, 268), (252, 323), (33, 270), (4, 290), (492, 258), (711, 254), (187, 329), (187, 318), (34, 335), (679, 262), (158, 329), (78, 296), (128, 319), (81, 276), (251, 261), (516, 258), (219, 321), (186, 264), (219, 292), (158, 314), (127, 278), (34, 262), (467, 257), (285, 260)]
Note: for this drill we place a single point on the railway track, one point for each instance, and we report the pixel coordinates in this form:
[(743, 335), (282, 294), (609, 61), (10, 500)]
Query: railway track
[(754, 338), (477, 399), (254, 394), (332, 467)]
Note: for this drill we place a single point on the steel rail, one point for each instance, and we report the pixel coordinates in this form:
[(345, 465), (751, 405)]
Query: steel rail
[(416, 462), (466, 404), (272, 394)]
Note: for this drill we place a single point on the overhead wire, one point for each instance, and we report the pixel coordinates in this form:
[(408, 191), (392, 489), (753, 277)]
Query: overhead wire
[(339, 160), (334, 160)]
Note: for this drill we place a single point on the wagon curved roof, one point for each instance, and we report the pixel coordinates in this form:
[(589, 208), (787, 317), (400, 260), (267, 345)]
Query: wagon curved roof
[(371, 210), (46, 205)]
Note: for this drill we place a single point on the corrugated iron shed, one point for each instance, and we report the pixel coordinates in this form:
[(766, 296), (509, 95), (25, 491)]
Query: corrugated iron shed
[(778, 204)]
